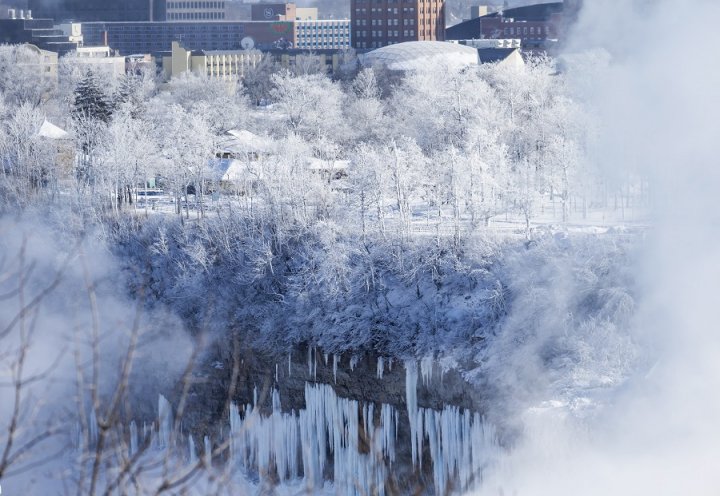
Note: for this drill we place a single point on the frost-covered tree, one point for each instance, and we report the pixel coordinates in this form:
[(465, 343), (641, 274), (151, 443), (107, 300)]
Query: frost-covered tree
[(257, 79), (311, 105), (25, 77), (29, 166)]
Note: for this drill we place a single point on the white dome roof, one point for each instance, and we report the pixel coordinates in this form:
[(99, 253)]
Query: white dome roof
[(412, 55)]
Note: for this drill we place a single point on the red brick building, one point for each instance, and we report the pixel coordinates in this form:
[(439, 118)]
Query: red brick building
[(378, 23)]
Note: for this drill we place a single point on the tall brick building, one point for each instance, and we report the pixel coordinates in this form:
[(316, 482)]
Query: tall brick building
[(378, 23)]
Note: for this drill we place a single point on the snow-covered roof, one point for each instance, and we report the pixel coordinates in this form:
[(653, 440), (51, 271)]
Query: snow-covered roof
[(51, 131), (243, 141), (412, 55)]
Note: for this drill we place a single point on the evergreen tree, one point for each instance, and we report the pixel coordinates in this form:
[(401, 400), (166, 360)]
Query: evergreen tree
[(91, 102)]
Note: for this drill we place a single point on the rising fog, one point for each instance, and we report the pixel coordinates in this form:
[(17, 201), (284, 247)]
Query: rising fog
[(657, 433)]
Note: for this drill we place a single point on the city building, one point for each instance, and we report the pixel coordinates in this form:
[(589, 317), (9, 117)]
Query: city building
[(100, 59), (274, 12), (377, 24), (99, 10), (539, 26), (227, 64), (39, 32), (232, 64), (30, 59), (153, 37), (306, 14), (213, 10), (130, 10), (282, 12), (323, 34)]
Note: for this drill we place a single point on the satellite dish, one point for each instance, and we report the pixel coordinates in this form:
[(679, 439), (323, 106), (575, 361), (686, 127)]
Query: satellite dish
[(247, 43)]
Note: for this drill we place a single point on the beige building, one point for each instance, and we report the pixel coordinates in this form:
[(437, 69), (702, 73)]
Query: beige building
[(230, 64), (306, 14), (32, 58)]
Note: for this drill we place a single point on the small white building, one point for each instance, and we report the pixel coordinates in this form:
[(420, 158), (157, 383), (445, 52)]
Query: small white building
[(100, 59)]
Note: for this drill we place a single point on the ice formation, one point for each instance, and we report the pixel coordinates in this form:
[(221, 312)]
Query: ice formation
[(192, 453), (287, 445), (336, 359), (460, 443), (165, 422), (348, 441), (380, 367), (133, 438), (208, 451)]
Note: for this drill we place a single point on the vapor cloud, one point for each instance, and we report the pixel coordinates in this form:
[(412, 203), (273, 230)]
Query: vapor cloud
[(658, 433)]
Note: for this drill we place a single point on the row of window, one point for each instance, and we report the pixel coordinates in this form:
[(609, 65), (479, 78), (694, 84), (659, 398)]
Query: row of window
[(196, 5), (326, 46), (195, 16), (324, 38), (390, 10), (323, 29), (323, 26), (524, 31), (382, 34)]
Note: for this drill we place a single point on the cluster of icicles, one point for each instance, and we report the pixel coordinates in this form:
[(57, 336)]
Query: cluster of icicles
[(360, 442), (350, 442)]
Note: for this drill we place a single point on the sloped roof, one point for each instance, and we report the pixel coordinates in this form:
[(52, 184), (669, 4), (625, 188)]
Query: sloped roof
[(490, 55), (241, 140), (51, 131)]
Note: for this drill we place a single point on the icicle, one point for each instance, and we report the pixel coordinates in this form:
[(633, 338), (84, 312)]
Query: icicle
[(426, 369), (165, 422), (315, 364), (133, 438), (191, 448), (353, 362), (411, 377), (79, 437), (276, 401), (327, 357), (390, 364), (276, 374), (208, 452), (255, 397), (309, 362), (93, 428), (289, 364), (380, 367), (336, 359)]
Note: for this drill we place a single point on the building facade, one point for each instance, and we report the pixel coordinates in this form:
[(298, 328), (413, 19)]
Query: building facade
[(39, 32), (539, 27), (212, 10), (274, 12), (323, 35), (99, 10), (232, 64), (227, 64), (153, 37), (377, 24), (130, 10)]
